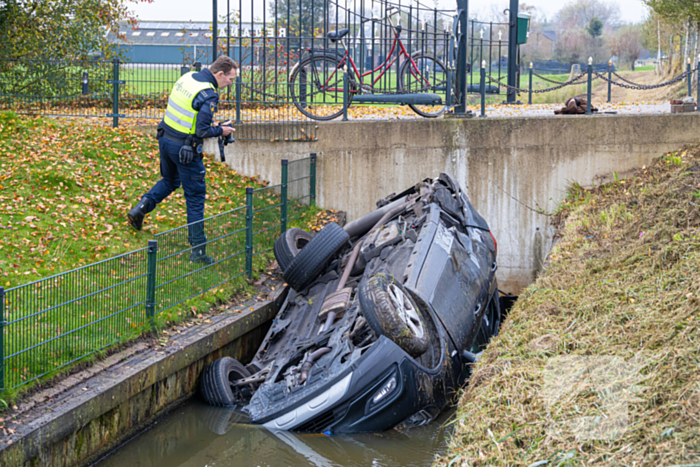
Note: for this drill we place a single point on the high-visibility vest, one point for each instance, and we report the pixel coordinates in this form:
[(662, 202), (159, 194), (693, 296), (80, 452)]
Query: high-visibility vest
[(180, 115)]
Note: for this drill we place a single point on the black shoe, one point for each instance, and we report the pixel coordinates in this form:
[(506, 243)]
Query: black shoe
[(199, 255), (137, 214)]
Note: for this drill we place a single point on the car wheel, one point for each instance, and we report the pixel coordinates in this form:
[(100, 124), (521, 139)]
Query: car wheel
[(390, 311), (216, 383), (315, 256), (288, 246)]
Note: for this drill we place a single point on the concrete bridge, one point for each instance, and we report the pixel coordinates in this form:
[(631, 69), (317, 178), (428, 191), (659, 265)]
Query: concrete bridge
[(515, 170)]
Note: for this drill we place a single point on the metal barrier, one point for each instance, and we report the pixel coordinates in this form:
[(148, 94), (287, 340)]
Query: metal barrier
[(48, 324), (587, 77)]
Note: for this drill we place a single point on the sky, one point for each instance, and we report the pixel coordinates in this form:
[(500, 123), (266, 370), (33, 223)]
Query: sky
[(182, 10)]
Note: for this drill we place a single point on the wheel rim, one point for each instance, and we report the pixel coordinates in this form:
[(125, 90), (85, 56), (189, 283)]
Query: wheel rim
[(425, 74), (239, 392), (406, 311), (317, 88)]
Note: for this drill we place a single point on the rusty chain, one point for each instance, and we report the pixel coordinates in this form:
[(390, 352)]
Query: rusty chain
[(547, 79), (536, 91), (645, 87)]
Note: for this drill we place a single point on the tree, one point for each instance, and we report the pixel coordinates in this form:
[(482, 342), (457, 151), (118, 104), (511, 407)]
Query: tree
[(571, 46), (301, 19), (627, 44), (581, 12), (59, 29), (595, 27)]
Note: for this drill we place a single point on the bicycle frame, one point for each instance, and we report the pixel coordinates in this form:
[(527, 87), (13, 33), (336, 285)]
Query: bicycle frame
[(385, 66)]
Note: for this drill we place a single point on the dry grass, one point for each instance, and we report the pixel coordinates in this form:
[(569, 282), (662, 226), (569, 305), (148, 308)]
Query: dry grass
[(610, 327)]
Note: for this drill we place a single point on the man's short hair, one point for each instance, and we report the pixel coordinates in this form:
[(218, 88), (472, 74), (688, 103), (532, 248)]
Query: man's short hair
[(223, 63)]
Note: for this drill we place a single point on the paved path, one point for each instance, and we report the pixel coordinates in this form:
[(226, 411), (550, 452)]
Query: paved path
[(548, 109)]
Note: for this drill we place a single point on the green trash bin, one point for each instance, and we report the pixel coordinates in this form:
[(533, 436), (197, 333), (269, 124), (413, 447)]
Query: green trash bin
[(523, 27)]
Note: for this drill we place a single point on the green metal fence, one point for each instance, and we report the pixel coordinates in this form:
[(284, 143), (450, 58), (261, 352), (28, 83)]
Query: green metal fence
[(48, 324), (119, 90)]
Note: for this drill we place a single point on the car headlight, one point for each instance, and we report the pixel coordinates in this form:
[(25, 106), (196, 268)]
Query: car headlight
[(386, 389)]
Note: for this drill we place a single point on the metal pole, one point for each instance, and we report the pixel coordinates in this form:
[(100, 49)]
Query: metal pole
[(238, 99), (115, 93), (249, 232), (482, 88), (529, 96), (283, 205), (687, 68), (461, 68), (512, 50), (2, 340), (151, 283), (697, 86), (312, 180), (609, 79), (590, 81), (345, 96), (215, 30)]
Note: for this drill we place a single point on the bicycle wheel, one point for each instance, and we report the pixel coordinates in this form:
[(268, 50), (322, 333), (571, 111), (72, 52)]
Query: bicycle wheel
[(316, 87), (425, 74)]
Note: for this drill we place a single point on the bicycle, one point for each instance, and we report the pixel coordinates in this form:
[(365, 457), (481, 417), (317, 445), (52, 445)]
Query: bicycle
[(321, 74)]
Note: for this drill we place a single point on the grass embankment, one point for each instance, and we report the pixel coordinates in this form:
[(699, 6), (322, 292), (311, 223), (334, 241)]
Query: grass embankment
[(65, 189), (599, 360)]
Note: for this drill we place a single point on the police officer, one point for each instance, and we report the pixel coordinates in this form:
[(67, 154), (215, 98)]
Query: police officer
[(188, 121)]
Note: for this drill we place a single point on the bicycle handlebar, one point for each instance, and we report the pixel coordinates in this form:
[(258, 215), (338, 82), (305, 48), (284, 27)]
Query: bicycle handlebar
[(389, 15)]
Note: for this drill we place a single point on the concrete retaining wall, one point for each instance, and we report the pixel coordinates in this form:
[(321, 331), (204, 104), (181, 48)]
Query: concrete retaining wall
[(100, 413), (515, 170)]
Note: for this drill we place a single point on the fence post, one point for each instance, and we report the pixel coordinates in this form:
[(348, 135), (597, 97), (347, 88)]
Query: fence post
[(151, 283), (312, 180), (249, 232), (2, 340), (482, 88), (85, 83), (689, 79), (609, 79), (283, 206), (238, 99), (115, 93), (590, 81), (529, 96), (345, 96)]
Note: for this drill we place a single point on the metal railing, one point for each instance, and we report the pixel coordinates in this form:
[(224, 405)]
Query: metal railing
[(48, 324), (584, 78)]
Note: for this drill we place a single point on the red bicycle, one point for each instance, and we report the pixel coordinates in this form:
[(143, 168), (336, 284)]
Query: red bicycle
[(316, 82)]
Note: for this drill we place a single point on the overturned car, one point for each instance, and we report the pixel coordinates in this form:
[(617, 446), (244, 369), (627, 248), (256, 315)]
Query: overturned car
[(381, 321)]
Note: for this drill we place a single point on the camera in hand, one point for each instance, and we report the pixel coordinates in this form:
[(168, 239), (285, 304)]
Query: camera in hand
[(228, 139)]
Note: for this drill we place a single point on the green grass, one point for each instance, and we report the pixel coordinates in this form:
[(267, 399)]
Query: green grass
[(612, 320), (63, 201)]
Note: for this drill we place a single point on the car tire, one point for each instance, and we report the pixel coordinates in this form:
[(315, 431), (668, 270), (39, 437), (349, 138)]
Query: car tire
[(315, 256), (288, 246), (216, 378), (391, 311)]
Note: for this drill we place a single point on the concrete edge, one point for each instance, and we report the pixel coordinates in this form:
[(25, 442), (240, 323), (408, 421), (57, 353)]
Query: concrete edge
[(120, 383)]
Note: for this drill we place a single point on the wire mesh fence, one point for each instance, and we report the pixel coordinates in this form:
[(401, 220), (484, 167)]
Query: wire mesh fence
[(301, 175), (51, 323), (55, 321), (185, 271)]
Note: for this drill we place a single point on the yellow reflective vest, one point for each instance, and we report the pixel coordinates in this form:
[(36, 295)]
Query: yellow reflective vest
[(180, 115)]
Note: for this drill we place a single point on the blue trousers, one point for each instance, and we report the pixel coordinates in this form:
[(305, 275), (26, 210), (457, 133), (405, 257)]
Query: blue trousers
[(191, 177)]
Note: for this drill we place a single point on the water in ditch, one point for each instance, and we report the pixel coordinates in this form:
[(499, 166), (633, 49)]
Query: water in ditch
[(197, 435)]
